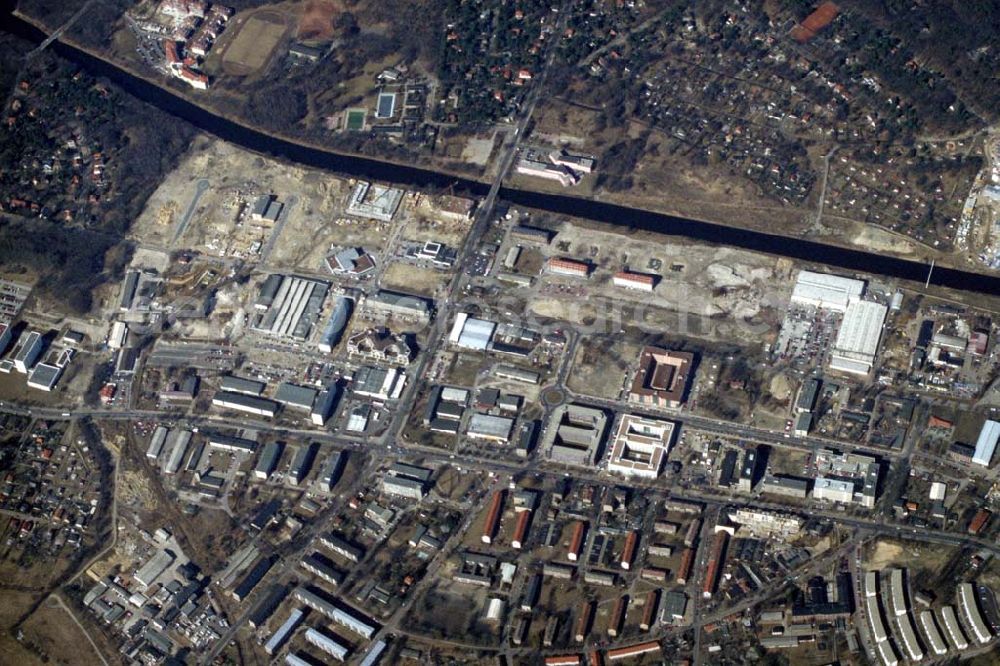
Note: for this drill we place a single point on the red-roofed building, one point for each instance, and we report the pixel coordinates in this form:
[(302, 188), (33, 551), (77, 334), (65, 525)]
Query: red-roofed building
[(628, 552), (194, 79), (564, 660), (173, 58), (687, 561), (633, 650), (938, 422), (521, 530), (576, 541), (978, 342), (493, 518), (639, 281), (567, 267), (821, 17), (662, 378), (979, 521)]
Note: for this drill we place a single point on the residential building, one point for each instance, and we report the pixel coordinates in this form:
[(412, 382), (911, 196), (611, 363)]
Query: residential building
[(325, 403), (767, 523)]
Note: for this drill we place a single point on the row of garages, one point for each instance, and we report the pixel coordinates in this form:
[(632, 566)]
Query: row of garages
[(894, 598)]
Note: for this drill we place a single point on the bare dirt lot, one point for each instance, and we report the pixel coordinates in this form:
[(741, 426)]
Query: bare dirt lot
[(428, 224), (601, 366), (703, 292), (316, 21), (252, 47), (223, 181), (413, 279), (909, 555)]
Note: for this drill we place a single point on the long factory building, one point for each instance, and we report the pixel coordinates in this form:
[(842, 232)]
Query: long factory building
[(245, 403), (291, 309)]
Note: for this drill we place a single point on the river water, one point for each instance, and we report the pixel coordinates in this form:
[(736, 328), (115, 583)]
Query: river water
[(362, 167)]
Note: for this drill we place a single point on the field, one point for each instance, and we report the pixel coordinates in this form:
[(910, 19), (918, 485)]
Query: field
[(11, 651), (925, 561), (601, 366), (355, 120), (49, 635), (254, 44), (415, 279)]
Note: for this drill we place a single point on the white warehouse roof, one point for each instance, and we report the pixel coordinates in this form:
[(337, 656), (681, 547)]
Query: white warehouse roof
[(859, 337), (987, 443), (472, 333), (831, 292)]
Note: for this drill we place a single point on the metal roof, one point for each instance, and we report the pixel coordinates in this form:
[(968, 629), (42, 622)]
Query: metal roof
[(269, 458), (826, 291), (240, 385), (296, 396), (861, 329), (44, 375), (244, 402), (490, 426), (412, 471), (987, 443), (476, 334)]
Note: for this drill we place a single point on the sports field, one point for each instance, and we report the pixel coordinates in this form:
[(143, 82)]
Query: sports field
[(355, 120), (254, 44)]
